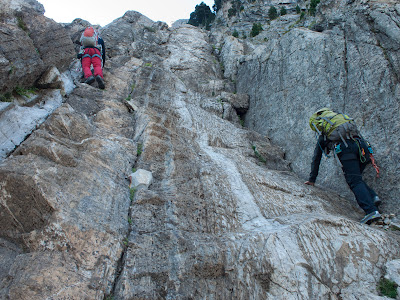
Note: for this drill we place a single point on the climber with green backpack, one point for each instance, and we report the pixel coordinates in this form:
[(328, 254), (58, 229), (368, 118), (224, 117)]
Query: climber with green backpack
[(338, 133)]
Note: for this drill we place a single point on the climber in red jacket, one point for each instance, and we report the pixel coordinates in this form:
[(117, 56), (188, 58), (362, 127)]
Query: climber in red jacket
[(92, 53)]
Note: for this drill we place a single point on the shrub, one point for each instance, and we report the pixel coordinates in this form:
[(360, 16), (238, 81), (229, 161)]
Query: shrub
[(6, 97), (283, 11), (298, 10), (21, 24), (231, 12), (313, 7), (272, 13), (25, 92), (217, 5), (387, 288), (235, 33), (257, 28)]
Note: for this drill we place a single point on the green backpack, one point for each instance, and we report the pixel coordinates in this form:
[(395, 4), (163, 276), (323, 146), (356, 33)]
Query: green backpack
[(335, 126)]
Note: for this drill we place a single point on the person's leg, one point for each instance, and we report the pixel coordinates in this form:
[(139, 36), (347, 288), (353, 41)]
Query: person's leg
[(352, 173), (96, 61), (86, 62), (373, 194)]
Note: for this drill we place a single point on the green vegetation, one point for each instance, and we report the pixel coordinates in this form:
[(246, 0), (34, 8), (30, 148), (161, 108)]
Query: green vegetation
[(298, 10), (258, 155), (12, 68), (302, 15), (132, 192), (387, 288), (202, 16), (257, 28), (235, 8), (151, 29), (272, 13), (235, 33), (125, 241), (217, 5), (130, 221), (283, 11), (21, 24), (148, 65), (5, 97), (25, 92), (313, 7), (139, 149)]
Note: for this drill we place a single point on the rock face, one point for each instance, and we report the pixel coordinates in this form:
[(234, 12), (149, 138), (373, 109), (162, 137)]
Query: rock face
[(30, 43), (223, 218), (35, 52), (350, 64)]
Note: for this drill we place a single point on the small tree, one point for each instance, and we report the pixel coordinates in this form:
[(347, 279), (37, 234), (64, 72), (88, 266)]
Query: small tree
[(298, 10), (257, 28), (272, 13), (217, 5), (235, 33), (283, 11), (313, 7), (202, 16)]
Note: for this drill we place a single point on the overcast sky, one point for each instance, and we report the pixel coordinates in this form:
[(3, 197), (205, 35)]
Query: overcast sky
[(103, 12)]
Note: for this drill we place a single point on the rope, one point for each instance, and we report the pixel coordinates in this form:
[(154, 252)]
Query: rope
[(374, 165)]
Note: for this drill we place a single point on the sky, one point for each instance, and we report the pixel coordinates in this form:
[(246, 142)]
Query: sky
[(103, 12)]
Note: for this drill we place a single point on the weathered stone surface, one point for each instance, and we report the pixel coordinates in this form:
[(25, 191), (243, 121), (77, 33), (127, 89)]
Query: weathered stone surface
[(224, 218), (140, 179), (20, 64), (24, 117), (352, 67), (50, 39), (30, 43), (393, 271), (51, 79)]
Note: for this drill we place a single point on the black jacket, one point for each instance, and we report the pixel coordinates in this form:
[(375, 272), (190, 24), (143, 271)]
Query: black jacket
[(350, 150), (323, 145)]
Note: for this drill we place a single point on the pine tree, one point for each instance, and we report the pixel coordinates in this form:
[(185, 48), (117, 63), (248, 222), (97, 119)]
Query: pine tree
[(272, 13), (202, 16)]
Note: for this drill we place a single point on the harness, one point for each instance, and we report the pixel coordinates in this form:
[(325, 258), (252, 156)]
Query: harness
[(94, 55)]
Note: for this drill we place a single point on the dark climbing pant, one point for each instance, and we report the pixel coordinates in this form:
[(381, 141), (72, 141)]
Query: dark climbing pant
[(353, 168)]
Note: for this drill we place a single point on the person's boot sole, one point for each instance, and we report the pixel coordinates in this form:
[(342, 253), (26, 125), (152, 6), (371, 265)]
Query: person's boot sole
[(100, 82)]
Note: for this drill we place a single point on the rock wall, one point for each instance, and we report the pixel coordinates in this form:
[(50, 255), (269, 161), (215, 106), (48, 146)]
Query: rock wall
[(35, 55), (30, 43), (347, 59), (224, 217)]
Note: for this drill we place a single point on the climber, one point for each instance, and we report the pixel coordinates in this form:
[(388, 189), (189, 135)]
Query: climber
[(92, 52), (338, 133)]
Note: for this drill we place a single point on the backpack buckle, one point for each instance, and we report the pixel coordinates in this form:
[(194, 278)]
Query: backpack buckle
[(338, 149)]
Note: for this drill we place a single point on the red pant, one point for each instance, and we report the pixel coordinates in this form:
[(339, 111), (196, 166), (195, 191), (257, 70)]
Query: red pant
[(92, 56)]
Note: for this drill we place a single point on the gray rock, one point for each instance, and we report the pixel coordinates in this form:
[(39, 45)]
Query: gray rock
[(304, 70), (393, 271), (224, 216), (140, 179)]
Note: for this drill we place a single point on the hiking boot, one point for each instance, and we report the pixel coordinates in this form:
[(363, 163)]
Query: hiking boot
[(89, 80), (370, 217), (100, 82), (377, 201)]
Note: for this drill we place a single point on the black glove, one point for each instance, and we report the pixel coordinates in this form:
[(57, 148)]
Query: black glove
[(79, 55)]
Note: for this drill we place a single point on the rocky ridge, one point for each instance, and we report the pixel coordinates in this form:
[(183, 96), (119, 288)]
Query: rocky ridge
[(224, 216)]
